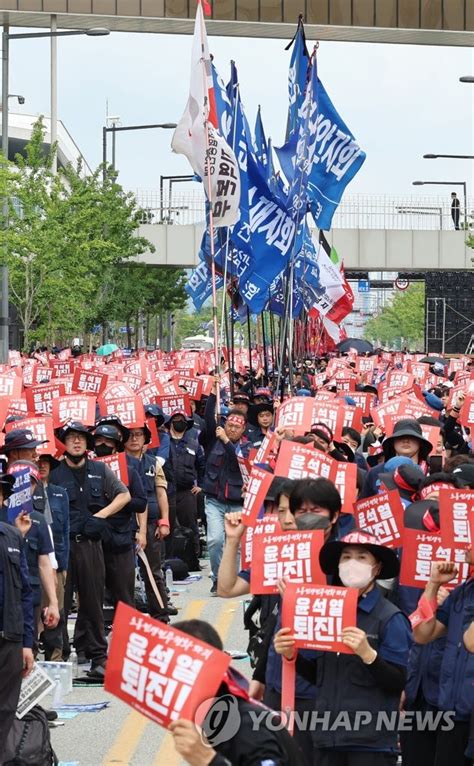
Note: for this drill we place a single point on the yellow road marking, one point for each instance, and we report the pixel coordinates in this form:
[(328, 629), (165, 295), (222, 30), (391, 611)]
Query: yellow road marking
[(167, 753), (135, 723)]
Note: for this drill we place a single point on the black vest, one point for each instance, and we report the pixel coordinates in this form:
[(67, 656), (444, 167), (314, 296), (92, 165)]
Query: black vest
[(343, 683), (147, 471), (11, 544), (85, 500), (183, 461), (222, 478)]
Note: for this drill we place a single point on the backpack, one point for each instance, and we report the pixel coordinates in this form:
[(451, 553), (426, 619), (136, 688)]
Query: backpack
[(183, 547), (178, 567), (28, 741)]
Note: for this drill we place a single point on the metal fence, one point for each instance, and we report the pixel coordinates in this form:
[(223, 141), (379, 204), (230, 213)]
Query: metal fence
[(354, 212)]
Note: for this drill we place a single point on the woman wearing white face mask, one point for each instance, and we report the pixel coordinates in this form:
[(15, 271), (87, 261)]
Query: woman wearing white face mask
[(358, 694)]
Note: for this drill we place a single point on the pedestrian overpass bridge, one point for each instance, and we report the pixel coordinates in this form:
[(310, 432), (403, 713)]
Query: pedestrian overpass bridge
[(370, 233)]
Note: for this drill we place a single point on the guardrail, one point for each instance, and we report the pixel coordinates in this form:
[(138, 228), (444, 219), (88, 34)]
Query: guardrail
[(354, 212)]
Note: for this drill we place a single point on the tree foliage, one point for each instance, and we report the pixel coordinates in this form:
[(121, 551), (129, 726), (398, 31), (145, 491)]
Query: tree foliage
[(69, 241), (402, 322)]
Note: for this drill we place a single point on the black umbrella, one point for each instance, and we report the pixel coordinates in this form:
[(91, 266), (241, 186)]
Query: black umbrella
[(359, 344), (433, 360)]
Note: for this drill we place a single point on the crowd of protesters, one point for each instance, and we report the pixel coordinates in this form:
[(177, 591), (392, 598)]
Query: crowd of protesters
[(91, 536)]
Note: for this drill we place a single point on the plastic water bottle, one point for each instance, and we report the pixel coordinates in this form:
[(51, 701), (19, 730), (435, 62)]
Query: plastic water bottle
[(169, 577), (74, 663), (58, 691)]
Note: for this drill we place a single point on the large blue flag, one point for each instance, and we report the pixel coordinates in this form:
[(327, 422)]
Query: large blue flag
[(297, 77), (199, 285)]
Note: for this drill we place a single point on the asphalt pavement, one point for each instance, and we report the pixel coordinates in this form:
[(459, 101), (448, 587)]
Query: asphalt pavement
[(118, 734)]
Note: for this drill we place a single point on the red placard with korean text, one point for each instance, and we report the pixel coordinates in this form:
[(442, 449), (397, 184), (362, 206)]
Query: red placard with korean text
[(89, 382), (293, 555), (466, 416), (317, 615), (42, 428), (129, 409), (118, 464), (255, 492), (420, 550), (161, 672), (269, 525), (149, 392), (382, 515), (170, 404), (40, 398), (296, 414), (115, 390), (296, 461), (10, 385), (74, 407), (456, 509)]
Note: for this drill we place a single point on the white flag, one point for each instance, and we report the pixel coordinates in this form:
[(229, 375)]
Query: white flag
[(190, 138)]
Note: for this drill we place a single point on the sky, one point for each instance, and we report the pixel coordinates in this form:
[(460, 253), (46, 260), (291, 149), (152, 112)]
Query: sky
[(400, 101)]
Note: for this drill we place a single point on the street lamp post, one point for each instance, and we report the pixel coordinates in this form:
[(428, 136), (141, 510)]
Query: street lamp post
[(6, 37), (119, 128), (448, 183)]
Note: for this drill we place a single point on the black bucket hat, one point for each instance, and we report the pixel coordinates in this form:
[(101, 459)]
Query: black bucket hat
[(405, 478), (155, 411), (20, 438), (77, 427), (113, 420), (407, 427), (189, 421), (330, 554), (424, 514), (145, 430), (53, 462)]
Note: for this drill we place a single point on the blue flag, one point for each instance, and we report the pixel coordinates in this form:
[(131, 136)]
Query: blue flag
[(297, 77), (261, 145)]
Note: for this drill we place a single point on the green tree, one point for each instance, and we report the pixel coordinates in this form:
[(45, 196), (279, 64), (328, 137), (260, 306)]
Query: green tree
[(400, 322), (64, 232)]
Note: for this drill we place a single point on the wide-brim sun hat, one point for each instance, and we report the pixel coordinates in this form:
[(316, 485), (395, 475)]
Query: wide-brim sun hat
[(330, 554), (407, 428)]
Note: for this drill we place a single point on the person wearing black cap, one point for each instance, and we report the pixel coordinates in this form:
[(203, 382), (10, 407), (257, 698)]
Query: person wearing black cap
[(464, 473), (16, 616), (371, 679), (154, 524), (94, 494), (118, 543), (406, 441), (187, 464), (20, 444)]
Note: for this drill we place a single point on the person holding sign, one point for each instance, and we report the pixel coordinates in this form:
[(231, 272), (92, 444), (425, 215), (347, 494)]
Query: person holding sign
[(456, 685), (355, 687)]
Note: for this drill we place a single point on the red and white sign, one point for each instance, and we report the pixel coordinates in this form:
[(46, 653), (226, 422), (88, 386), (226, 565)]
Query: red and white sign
[(420, 550), (317, 615), (255, 492), (296, 414), (149, 392), (129, 409), (293, 555), (269, 525), (10, 385), (161, 672), (456, 510), (383, 516), (74, 407), (40, 398), (118, 464), (466, 416), (88, 382), (42, 429), (170, 404)]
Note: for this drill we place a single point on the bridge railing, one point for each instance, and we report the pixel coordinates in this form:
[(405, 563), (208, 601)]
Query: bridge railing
[(354, 212)]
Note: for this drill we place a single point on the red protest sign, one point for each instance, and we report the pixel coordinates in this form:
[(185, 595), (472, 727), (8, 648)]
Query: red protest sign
[(431, 434), (347, 417), (40, 398), (74, 407), (4, 407), (10, 385), (118, 464), (115, 390), (255, 492), (129, 409), (456, 508), (150, 392), (193, 386), (466, 416), (420, 550), (364, 400), (18, 406), (269, 525), (293, 555), (267, 450), (162, 672), (42, 429), (298, 462), (170, 404), (87, 381), (383, 516), (296, 414), (399, 380), (41, 375), (134, 382), (365, 365), (62, 368), (155, 436), (317, 615)]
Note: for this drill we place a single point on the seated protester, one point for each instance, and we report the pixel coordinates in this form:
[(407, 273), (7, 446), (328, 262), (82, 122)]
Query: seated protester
[(119, 543), (268, 744), (456, 687), (352, 438), (57, 499), (372, 678), (406, 478), (261, 416), (406, 441), (324, 442)]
